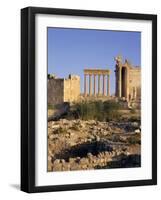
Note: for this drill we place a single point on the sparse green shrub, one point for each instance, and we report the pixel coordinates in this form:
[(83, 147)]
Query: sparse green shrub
[(50, 106), (98, 110), (54, 106)]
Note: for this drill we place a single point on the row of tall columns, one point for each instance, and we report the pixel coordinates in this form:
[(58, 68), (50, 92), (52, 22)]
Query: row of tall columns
[(92, 89)]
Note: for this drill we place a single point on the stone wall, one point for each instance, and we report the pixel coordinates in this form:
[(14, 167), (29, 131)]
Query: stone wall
[(63, 90), (135, 83), (71, 88), (55, 91)]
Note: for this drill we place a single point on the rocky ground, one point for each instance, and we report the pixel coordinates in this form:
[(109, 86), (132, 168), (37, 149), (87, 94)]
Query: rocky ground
[(82, 145)]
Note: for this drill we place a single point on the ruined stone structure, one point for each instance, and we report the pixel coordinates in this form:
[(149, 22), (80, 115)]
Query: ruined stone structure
[(71, 88), (128, 80), (97, 73), (63, 90), (97, 84)]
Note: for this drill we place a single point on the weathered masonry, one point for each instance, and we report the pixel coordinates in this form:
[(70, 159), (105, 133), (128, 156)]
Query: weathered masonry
[(128, 80), (63, 90), (102, 88), (97, 84)]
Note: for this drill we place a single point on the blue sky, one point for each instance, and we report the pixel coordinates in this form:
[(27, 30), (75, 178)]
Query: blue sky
[(72, 50)]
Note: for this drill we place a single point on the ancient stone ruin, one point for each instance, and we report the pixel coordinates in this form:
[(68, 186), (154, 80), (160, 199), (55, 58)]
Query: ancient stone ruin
[(105, 73), (128, 80), (97, 84), (94, 129), (63, 89)]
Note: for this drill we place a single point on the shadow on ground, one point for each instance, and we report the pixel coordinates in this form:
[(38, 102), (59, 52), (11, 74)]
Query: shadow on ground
[(123, 161), (81, 150)]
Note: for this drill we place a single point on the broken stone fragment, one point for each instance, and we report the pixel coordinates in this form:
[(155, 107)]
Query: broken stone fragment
[(62, 161), (97, 138), (57, 167), (49, 158), (137, 131), (71, 160), (83, 161), (135, 124), (53, 136), (89, 155), (57, 161), (55, 126), (72, 134)]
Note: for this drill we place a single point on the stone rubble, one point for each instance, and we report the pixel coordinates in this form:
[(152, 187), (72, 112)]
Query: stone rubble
[(82, 145)]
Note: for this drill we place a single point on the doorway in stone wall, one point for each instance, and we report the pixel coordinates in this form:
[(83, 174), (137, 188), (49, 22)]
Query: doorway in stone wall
[(124, 82)]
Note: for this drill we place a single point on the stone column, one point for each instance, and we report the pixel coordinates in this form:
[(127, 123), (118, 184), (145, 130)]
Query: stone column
[(108, 85), (90, 84), (85, 85), (94, 85), (104, 83), (98, 84)]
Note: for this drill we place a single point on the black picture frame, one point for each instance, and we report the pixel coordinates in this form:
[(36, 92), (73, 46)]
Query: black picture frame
[(28, 99)]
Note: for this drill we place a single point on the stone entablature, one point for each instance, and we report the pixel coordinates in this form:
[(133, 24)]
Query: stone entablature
[(96, 71), (93, 90)]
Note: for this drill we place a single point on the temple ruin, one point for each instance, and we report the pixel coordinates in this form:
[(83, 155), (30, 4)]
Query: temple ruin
[(97, 84), (97, 74), (128, 80)]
